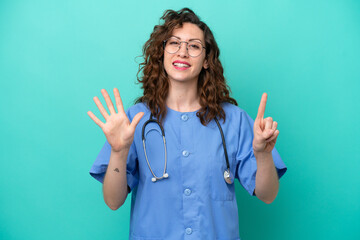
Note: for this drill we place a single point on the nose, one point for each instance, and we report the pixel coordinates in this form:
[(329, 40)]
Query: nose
[(183, 52)]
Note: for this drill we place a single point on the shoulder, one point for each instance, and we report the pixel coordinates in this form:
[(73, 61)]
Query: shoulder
[(236, 116), (135, 109), (232, 111)]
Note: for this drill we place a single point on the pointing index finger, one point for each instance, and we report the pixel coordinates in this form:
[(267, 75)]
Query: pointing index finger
[(261, 110)]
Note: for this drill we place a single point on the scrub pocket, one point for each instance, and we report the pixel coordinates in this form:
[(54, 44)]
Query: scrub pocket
[(220, 190), (133, 237)]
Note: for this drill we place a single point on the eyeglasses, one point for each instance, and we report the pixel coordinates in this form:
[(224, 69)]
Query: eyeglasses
[(194, 48)]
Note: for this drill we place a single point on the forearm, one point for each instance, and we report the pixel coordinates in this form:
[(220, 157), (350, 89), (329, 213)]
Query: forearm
[(267, 180), (115, 183)]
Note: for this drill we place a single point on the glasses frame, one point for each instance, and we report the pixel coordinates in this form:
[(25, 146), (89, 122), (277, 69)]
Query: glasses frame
[(187, 43)]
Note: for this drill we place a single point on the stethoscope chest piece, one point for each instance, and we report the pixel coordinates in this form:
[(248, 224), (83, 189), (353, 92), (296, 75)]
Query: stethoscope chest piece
[(228, 176)]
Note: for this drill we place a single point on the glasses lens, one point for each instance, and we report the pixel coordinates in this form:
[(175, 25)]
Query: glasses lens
[(194, 48), (173, 45)]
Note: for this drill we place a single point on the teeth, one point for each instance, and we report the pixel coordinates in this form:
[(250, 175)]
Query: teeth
[(181, 65)]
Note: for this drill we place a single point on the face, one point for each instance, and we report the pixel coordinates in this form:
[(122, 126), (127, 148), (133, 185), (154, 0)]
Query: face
[(180, 66)]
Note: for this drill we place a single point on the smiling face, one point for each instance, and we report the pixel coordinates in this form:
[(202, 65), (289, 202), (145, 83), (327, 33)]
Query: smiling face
[(180, 66)]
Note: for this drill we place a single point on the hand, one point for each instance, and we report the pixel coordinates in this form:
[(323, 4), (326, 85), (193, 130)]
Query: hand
[(265, 132), (118, 130)]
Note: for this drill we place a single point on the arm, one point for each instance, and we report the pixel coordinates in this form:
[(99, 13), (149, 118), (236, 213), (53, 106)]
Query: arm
[(265, 136), (267, 180), (119, 133), (115, 183)]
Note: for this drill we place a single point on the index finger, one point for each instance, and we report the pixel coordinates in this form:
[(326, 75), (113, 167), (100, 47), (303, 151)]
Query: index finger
[(261, 110)]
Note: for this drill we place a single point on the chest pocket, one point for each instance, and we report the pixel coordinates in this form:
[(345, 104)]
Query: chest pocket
[(220, 190)]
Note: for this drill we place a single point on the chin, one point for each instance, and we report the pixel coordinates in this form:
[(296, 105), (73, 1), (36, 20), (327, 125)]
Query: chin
[(181, 79)]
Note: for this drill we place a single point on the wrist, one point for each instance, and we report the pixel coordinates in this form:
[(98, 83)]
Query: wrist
[(121, 151), (119, 156), (262, 155)]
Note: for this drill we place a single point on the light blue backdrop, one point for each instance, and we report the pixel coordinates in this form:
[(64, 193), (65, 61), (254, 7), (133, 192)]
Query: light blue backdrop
[(55, 56)]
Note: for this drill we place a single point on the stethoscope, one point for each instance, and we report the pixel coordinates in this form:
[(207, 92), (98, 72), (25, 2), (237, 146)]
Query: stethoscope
[(228, 176)]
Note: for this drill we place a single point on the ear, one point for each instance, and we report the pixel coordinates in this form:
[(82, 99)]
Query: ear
[(205, 64)]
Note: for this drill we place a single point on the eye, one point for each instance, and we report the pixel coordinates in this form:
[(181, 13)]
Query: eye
[(195, 45), (174, 42)]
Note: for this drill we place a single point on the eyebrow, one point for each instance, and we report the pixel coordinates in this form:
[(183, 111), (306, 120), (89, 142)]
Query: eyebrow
[(189, 39)]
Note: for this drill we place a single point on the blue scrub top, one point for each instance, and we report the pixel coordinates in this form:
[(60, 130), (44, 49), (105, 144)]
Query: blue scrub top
[(194, 202)]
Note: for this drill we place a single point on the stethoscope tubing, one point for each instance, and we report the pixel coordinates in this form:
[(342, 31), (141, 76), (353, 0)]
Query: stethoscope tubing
[(224, 143), (165, 175), (227, 174)]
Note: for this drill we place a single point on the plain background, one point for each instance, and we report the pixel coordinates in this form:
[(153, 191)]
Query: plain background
[(55, 56)]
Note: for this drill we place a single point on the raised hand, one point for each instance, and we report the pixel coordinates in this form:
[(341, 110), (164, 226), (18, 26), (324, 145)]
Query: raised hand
[(265, 132), (118, 130)]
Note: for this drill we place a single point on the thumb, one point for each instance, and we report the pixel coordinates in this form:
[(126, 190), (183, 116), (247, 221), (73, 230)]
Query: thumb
[(136, 120), (268, 133)]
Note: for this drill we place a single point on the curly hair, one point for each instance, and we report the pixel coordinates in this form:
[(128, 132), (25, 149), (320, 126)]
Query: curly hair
[(212, 87)]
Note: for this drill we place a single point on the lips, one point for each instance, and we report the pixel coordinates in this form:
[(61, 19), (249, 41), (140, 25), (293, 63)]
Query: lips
[(181, 65)]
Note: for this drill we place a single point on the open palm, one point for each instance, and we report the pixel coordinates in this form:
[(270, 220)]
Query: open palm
[(118, 130)]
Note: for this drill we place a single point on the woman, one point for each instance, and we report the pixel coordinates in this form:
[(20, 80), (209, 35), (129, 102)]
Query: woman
[(183, 187)]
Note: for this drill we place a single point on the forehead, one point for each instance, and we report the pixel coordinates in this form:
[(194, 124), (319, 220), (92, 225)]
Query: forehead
[(188, 31)]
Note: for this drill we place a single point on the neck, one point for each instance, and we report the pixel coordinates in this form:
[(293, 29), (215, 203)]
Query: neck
[(183, 97)]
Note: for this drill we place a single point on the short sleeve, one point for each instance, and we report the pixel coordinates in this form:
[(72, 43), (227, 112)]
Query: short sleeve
[(246, 166), (99, 167)]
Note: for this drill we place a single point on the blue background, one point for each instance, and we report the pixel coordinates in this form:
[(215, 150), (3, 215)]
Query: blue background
[(55, 56)]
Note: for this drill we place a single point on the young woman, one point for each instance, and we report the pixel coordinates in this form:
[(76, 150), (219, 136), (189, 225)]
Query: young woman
[(180, 146)]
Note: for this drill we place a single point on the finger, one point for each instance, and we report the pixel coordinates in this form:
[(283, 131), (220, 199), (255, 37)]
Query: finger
[(261, 110), (268, 134), (95, 119), (101, 108), (273, 137), (108, 101), (259, 124), (119, 104), (136, 120), (268, 123), (274, 125)]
